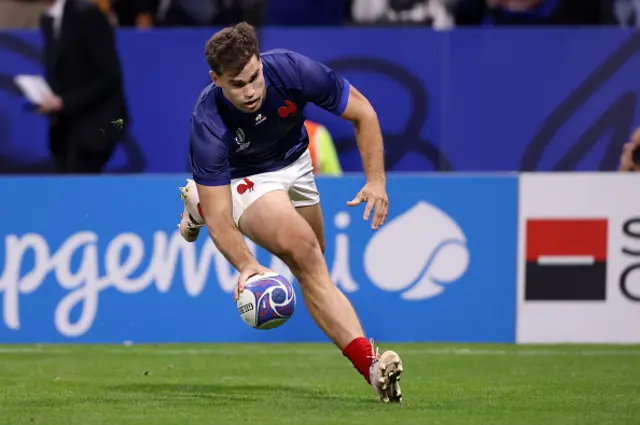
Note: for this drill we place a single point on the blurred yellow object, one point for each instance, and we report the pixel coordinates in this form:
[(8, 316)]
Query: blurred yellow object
[(323, 152)]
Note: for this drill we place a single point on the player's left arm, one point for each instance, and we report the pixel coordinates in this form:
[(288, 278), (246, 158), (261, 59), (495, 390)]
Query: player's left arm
[(330, 91), (368, 134), (369, 140)]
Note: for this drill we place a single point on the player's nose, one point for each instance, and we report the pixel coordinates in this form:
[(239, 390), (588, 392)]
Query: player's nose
[(249, 91)]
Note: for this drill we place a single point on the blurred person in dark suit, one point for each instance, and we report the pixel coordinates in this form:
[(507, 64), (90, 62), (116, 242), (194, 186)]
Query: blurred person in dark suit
[(88, 111), (107, 7)]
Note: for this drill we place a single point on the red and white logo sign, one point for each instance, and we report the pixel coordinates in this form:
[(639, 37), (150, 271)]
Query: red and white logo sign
[(579, 258), (566, 259)]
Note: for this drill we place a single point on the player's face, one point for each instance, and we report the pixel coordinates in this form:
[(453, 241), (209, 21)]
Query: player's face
[(246, 90)]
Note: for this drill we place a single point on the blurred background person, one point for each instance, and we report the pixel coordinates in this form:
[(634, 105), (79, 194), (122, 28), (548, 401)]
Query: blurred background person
[(433, 13), (192, 13), (323, 151), (180, 13), (88, 110), (309, 13), (106, 6), (533, 12), (627, 12), (20, 14), (626, 160)]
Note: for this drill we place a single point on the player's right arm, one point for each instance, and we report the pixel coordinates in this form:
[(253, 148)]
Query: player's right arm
[(210, 166), (216, 205)]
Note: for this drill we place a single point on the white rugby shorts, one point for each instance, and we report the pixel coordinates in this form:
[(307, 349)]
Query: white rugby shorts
[(296, 179)]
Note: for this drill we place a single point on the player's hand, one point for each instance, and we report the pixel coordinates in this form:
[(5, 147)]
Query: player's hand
[(50, 104), (375, 195), (626, 160), (248, 271)]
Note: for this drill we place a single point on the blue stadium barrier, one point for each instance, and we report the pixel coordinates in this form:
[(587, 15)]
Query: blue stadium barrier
[(463, 100), (99, 260)]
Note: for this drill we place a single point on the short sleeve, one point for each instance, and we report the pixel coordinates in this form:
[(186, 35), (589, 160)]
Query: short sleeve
[(209, 156), (322, 85)]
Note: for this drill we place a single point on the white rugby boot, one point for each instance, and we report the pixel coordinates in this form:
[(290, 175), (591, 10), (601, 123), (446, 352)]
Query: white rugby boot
[(190, 220), (384, 374)]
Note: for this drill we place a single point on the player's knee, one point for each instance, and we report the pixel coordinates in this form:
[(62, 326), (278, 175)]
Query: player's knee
[(303, 253)]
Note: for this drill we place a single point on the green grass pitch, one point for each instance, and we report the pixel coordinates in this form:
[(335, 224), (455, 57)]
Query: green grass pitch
[(306, 384)]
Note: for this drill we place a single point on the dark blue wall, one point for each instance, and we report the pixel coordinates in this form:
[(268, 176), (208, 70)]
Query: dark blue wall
[(465, 100)]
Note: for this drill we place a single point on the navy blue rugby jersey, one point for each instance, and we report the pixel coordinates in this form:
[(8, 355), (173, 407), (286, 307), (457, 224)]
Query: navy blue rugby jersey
[(226, 143)]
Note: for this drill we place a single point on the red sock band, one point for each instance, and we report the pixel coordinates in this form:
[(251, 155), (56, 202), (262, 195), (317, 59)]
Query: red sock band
[(359, 352)]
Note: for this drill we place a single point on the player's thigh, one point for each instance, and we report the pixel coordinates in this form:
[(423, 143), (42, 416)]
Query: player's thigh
[(305, 197), (313, 215), (273, 223), (247, 190)]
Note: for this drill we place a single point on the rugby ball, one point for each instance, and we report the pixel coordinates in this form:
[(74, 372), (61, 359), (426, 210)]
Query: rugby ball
[(267, 301)]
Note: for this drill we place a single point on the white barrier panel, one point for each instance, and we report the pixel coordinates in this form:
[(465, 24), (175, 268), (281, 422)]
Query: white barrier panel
[(579, 258)]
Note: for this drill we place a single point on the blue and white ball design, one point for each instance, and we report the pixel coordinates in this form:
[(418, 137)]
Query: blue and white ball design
[(267, 301)]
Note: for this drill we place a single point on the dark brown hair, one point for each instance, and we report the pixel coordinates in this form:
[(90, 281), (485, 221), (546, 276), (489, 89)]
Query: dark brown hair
[(229, 50)]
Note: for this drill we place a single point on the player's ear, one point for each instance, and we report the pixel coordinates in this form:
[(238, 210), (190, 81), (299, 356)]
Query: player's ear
[(214, 77)]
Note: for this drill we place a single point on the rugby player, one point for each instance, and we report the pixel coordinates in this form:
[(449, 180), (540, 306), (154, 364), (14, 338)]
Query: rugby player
[(253, 176)]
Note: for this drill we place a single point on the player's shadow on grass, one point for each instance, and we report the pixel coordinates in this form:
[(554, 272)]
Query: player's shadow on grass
[(225, 393)]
